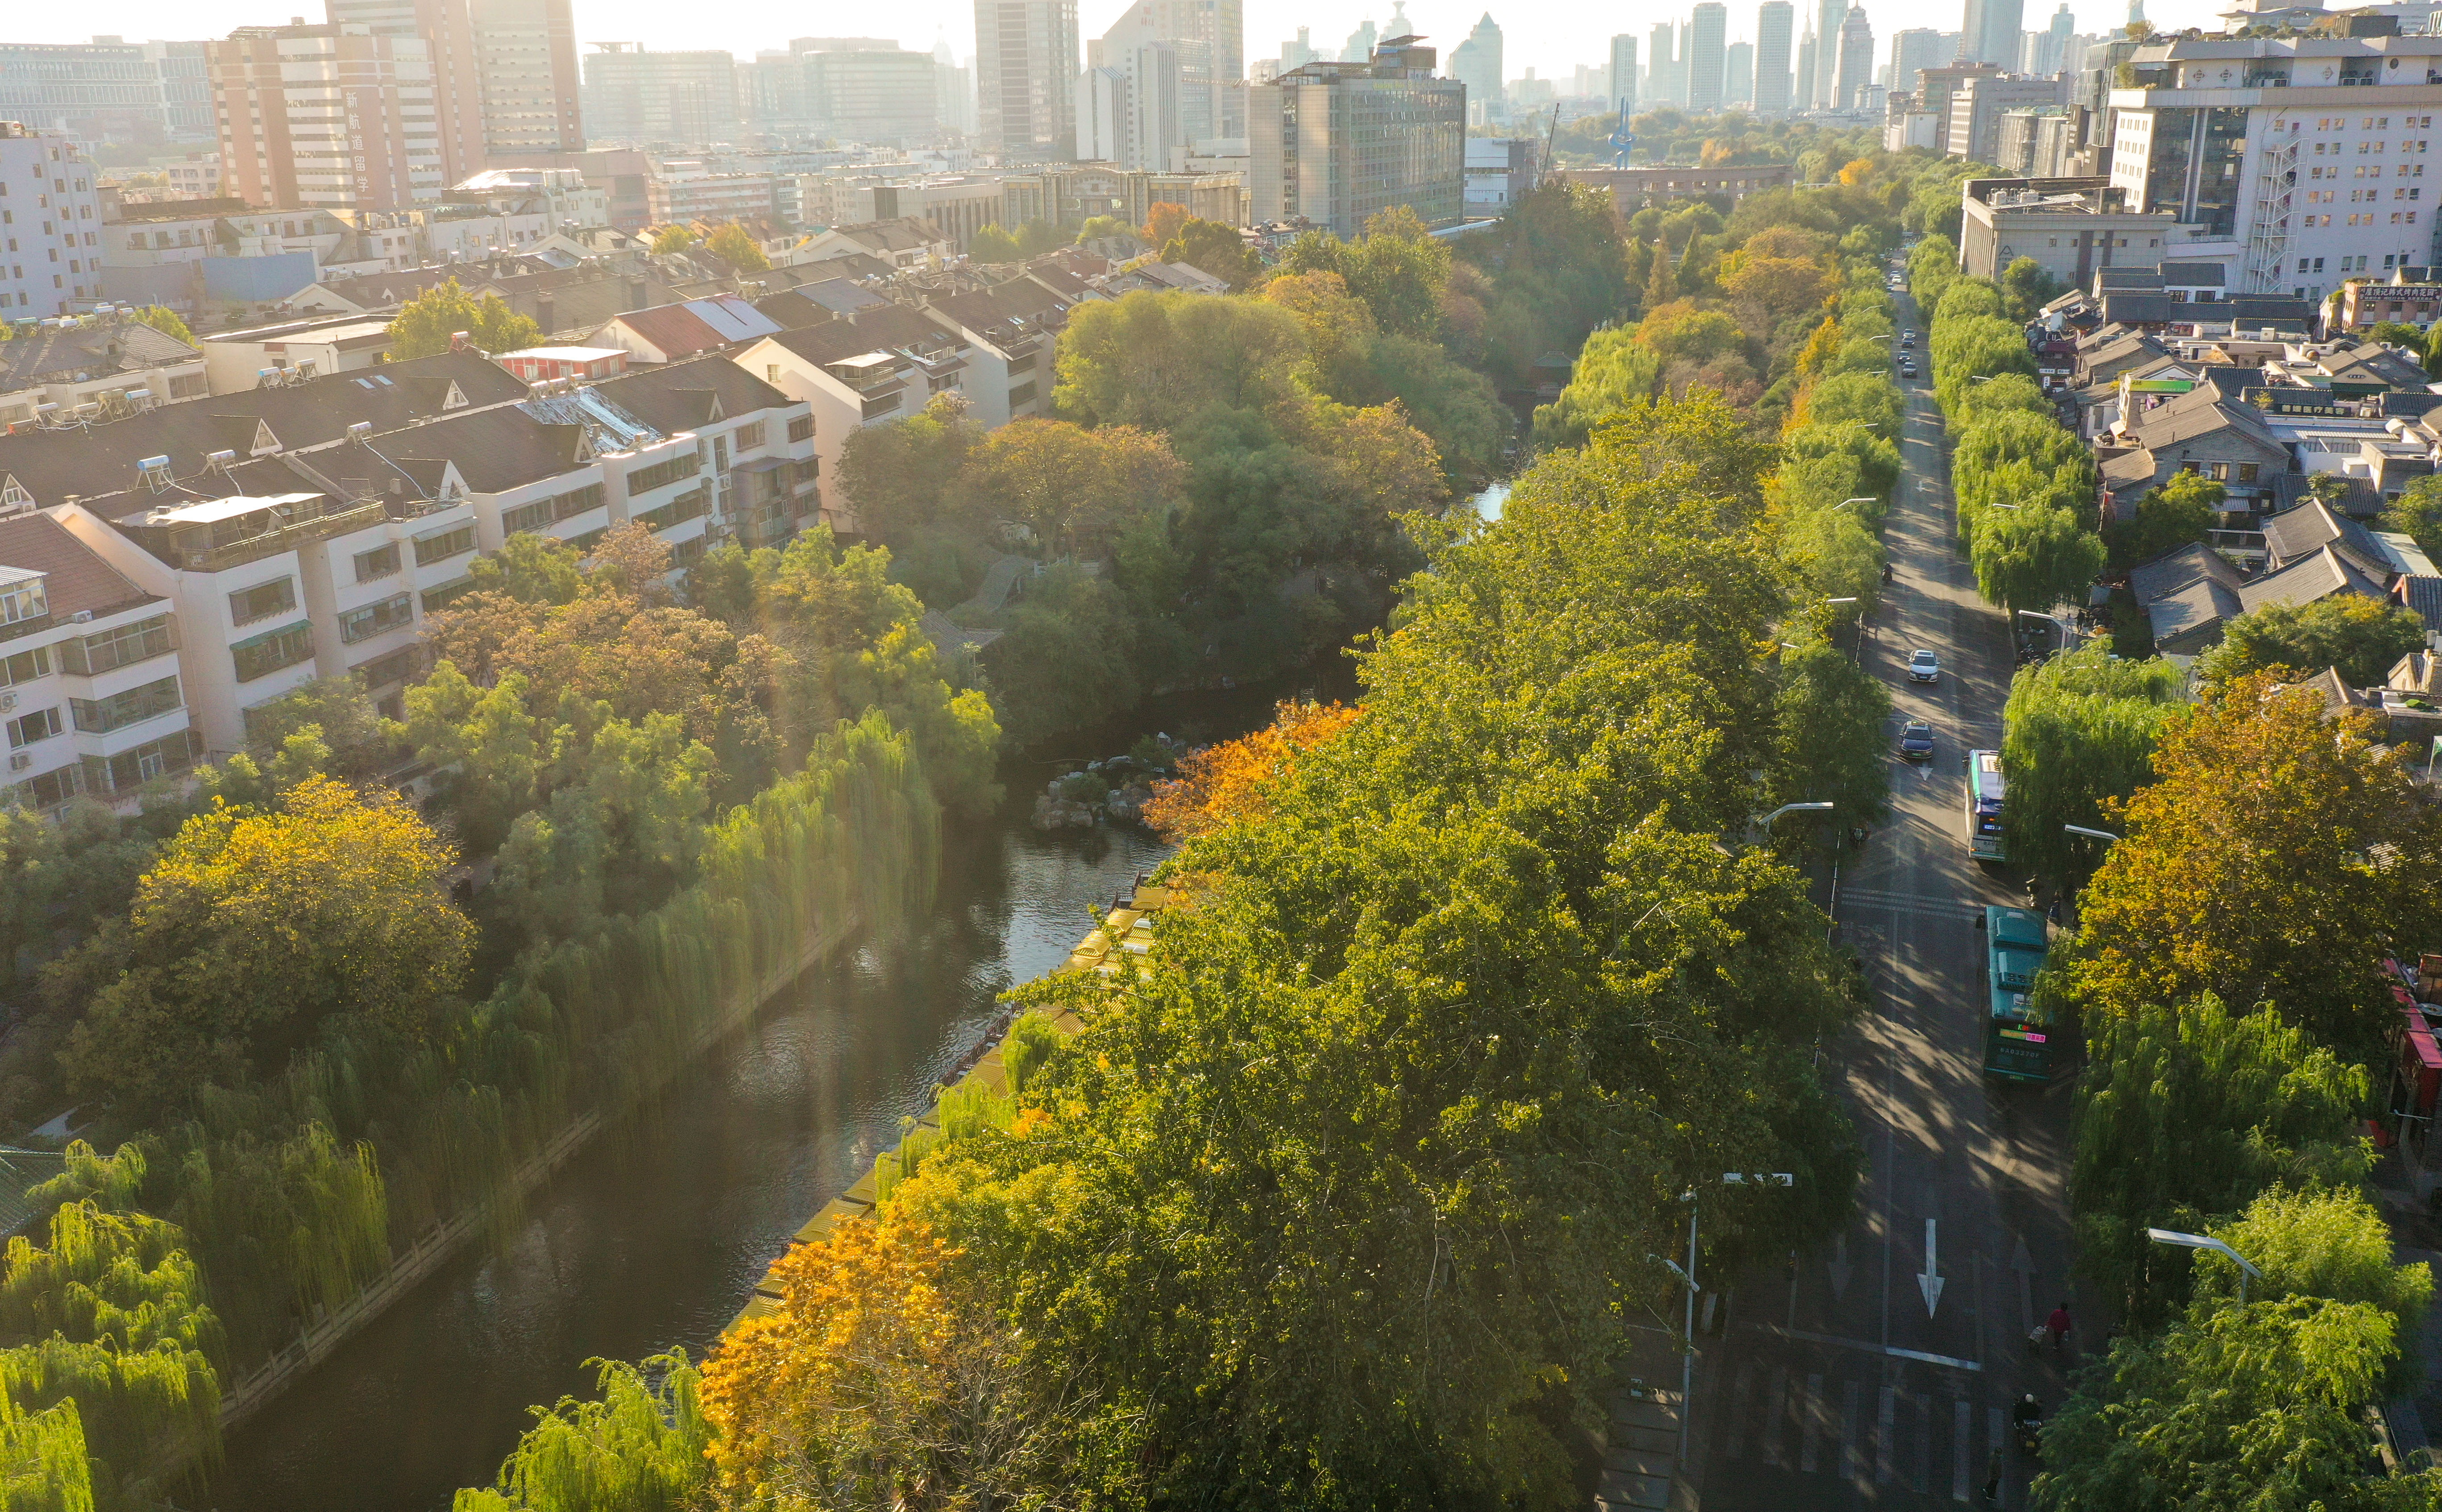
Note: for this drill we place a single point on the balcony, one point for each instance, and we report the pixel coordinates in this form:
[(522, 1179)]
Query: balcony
[(210, 539)]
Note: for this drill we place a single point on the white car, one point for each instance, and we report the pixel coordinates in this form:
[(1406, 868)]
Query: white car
[(1923, 667)]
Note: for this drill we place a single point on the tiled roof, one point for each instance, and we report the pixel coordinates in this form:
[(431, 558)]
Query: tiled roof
[(2307, 580), (673, 329), (49, 356), (904, 234), (2423, 597), (2186, 275), (2192, 605), (2191, 563), (2312, 526), (79, 580), (679, 396), (494, 449), (1017, 299), (869, 332), (103, 459)]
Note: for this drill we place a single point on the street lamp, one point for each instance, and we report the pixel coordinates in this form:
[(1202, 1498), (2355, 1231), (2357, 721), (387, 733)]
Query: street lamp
[(2198, 1241), (2068, 632), (1729, 1178), (1861, 499), (1764, 821), (2091, 835)]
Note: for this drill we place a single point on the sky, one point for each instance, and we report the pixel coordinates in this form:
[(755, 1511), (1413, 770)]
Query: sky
[(1549, 37)]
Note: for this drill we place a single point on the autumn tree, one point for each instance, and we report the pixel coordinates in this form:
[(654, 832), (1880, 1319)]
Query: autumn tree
[(1163, 221), (1225, 784), (2362, 638), (1076, 488), (251, 928), (424, 324), (1218, 249), (676, 237), (736, 245), (2273, 859), (165, 320)]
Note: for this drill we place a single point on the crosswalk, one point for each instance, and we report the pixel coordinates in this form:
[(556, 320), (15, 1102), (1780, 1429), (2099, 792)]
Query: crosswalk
[(1885, 900), (1882, 1436)]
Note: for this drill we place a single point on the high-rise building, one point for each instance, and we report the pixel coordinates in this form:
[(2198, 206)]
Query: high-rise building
[(1296, 53), (1130, 109), (325, 118), (1976, 105), (1026, 78), (1992, 32), (526, 78), (1661, 68), (1855, 69), (874, 95), (55, 258), (446, 29), (2051, 52), (635, 95), (107, 90), (1808, 56), (1935, 88), (1206, 37), (1707, 66), (1912, 52), (1338, 143), (1360, 45), (1623, 75), (954, 91), (1476, 63), (1774, 19), (1739, 88), (1829, 16)]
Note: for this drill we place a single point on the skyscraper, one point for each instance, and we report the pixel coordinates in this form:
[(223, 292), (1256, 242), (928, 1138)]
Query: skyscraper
[(1992, 31), (1206, 37), (1298, 53), (1623, 75), (2052, 44), (526, 67), (1660, 74), (447, 31), (1026, 78), (1476, 63), (1856, 65), (1807, 53), (1360, 42), (1130, 108), (278, 90), (1829, 17), (635, 95), (1708, 34), (1774, 19), (1914, 50), (1739, 90)]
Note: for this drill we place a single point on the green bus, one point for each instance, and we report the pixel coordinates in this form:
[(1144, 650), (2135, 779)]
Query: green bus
[(1985, 790), (2018, 1038)]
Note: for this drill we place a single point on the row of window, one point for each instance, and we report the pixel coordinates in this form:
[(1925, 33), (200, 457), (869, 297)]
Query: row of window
[(644, 480), (2368, 218), (166, 756), (685, 507), (91, 654), (98, 716)]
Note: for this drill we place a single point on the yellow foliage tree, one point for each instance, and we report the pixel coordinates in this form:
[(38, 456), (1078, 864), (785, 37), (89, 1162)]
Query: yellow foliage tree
[(1227, 784)]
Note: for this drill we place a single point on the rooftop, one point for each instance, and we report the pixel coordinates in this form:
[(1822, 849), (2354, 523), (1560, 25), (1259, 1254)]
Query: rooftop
[(77, 579)]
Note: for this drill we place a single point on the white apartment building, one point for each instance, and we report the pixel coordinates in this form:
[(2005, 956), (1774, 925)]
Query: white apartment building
[(885, 364), (70, 371), (2312, 153), (50, 226), (1009, 330)]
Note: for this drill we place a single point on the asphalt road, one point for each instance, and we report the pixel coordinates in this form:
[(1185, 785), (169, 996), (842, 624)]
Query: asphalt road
[(1834, 1381)]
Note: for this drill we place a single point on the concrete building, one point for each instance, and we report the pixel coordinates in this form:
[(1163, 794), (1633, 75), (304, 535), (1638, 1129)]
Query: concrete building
[(1477, 63), (1992, 32), (2304, 149), (1663, 86), (1335, 143), (634, 96), (327, 118), (1977, 107), (882, 96), (1026, 78), (1935, 87), (1087, 189), (108, 90), (885, 364), (1633, 189), (1009, 330), (1208, 40), (100, 367), (447, 32), (956, 205), (1738, 89), (1128, 108), (1501, 171), (691, 193), (50, 226), (1913, 51), (1774, 19), (1808, 56), (2070, 226), (1854, 71), (1623, 75), (1830, 15), (2047, 52), (1708, 28), (2035, 142), (525, 61)]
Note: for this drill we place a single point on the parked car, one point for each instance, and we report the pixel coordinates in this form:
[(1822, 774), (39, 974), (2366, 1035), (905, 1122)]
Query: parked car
[(1916, 740), (1923, 667)]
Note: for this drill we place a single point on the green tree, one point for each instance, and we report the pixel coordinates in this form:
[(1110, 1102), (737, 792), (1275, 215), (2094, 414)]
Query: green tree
[(2033, 557), (2277, 852), (2417, 514), (1832, 743), (253, 927), (2026, 289), (1217, 249), (2180, 512), (2399, 333), (2078, 733), (676, 237), (2359, 637), (1034, 238), (993, 244), (424, 324), (165, 320), (735, 244), (1153, 359), (638, 1448), (901, 475), (1077, 489), (2186, 1114)]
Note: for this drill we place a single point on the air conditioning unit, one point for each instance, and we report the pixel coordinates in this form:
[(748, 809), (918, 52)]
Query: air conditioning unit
[(21, 760), (8, 702)]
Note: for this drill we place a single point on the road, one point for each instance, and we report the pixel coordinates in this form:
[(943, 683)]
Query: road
[(1833, 1383)]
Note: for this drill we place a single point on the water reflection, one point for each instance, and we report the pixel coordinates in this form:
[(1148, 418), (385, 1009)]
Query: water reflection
[(1488, 502), (654, 1237)]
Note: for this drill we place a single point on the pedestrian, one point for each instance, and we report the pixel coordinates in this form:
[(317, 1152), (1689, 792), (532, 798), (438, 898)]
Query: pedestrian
[(1993, 1476), (2058, 1326), (2054, 912)]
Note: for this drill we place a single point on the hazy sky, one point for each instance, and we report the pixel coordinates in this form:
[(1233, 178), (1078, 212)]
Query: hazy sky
[(1548, 37)]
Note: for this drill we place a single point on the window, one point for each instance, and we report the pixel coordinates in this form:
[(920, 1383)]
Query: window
[(391, 666), (25, 666), (2248, 471), (439, 597), (644, 480), (261, 655), (157, 759), (375, 619), (749, 437), (119, 710), (262, 601), (525, 517), (430, 548), (802, 429), (577, 501), (1023, 393), (677, 511), (52, 788), (28, 728), (382, 561), (24, 601), (124, 647)]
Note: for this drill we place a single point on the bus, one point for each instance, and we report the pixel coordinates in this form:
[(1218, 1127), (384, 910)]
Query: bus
[(2018, 1038), (1984, 792)]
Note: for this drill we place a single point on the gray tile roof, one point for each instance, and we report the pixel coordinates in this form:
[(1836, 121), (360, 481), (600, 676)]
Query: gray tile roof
[(79, 580), (2191, 563), (50, 356), (2307, 580), (2312, 526), (679, 396)]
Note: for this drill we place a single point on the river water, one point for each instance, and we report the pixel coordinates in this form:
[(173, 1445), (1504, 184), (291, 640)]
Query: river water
[(655, 1234)]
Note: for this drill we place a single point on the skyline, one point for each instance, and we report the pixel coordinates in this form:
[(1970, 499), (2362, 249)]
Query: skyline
[(1539, 36)]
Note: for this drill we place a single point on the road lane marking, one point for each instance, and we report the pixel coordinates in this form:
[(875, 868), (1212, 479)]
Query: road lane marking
[(1740, 1391), (1777, 1408), (1852, 1460), (1921, 1478), (1885, 1414), (1961, 1432), (1809, 1423), (1893, 1351)]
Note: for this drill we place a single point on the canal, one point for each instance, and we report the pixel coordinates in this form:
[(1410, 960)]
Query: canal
[(654, 1236)]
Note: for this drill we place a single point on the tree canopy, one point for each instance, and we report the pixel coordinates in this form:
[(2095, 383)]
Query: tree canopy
[(424, 324)]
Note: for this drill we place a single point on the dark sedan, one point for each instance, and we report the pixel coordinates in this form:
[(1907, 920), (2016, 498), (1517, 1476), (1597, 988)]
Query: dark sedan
[(1916, 740)]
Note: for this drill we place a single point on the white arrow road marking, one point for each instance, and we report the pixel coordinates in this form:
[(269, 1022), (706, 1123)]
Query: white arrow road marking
[(1929, 1279)]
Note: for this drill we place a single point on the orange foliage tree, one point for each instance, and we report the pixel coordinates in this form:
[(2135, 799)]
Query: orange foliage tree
[(1224, 784), (1162, 223)]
